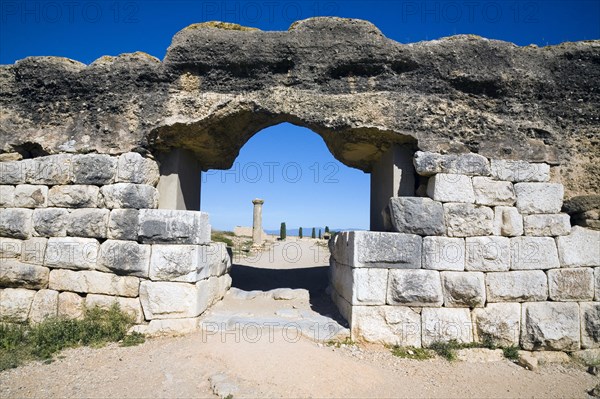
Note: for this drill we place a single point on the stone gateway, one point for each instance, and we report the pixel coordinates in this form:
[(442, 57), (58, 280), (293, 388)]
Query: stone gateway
[(484, 160)]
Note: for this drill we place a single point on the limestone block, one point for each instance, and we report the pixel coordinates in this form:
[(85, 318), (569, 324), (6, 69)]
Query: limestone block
[(123, 224), (15, 304), (16, 223), (429, 163), (44, 305), (130, 306), (10, 248), (96, 169), (421, 216), (210, 291), (72, 253), (498, 323), (520, 171), (446, 324), (508, 221), (597, 284), (15, 172), (342, 281), (414, 288), (76, 196), (580, 248), (14, 273), (127, 195), (71, 305), (590, 324), (391, 325), (528, 253), (188, 263), (88, 222), (571, 284), (7, 196), (492, 192), (214, 260), (539, 197), (587, 356), (463, 289), (547, 225), (467, 220), (51, 170), (488, 254), (168, 300), (370, 286), (550, 326), (443, 253), (447, 187), (34, 250), (519, 286), (125, 257), (50, 222), (133, 168), (376, 249), (30, 196), (174, 227), (93, 282)]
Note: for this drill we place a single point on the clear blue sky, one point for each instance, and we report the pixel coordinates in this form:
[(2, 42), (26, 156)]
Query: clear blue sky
[(85, 30)]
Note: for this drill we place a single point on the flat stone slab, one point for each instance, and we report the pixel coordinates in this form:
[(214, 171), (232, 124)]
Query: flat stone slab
[(517, 286), (413, 215), (390, 325), (429, 163), (468, 220), (376, 249), (446, 324), (539, 197), (580, 248), (414, 288), (158, 226), (550, 326), (498, 323)]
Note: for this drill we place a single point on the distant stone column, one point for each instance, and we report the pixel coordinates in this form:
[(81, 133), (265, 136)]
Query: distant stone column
[(257, 221)]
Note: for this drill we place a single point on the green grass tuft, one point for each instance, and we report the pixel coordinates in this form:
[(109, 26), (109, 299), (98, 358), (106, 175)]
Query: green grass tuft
[(338, 343), (511, 352), (20, 343), (222, 236)]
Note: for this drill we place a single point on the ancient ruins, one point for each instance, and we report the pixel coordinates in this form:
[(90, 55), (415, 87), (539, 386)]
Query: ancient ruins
[(484, 160)]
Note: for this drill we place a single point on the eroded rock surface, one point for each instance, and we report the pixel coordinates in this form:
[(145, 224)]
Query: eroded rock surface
[(339, 77)]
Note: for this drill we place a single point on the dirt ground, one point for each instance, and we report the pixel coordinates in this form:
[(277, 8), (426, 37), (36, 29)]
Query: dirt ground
[(271, 362)]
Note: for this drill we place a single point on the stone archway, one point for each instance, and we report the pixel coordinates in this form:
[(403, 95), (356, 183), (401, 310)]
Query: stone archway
[(492, 121), (185, 149)]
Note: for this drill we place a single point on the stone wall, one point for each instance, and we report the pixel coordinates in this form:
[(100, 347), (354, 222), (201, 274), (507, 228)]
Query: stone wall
[(487, 256), (83, 230)]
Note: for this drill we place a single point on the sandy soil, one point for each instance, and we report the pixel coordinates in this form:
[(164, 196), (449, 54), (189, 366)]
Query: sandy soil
[(269, 363), (198, 365)]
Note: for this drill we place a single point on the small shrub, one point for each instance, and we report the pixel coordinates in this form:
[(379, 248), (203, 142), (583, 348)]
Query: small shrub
[(20, 343), (511, 352), (447, 350), (410, 352)]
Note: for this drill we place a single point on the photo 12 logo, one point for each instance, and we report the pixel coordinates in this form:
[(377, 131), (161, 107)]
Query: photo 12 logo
[(70, 12), (272, 172)]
